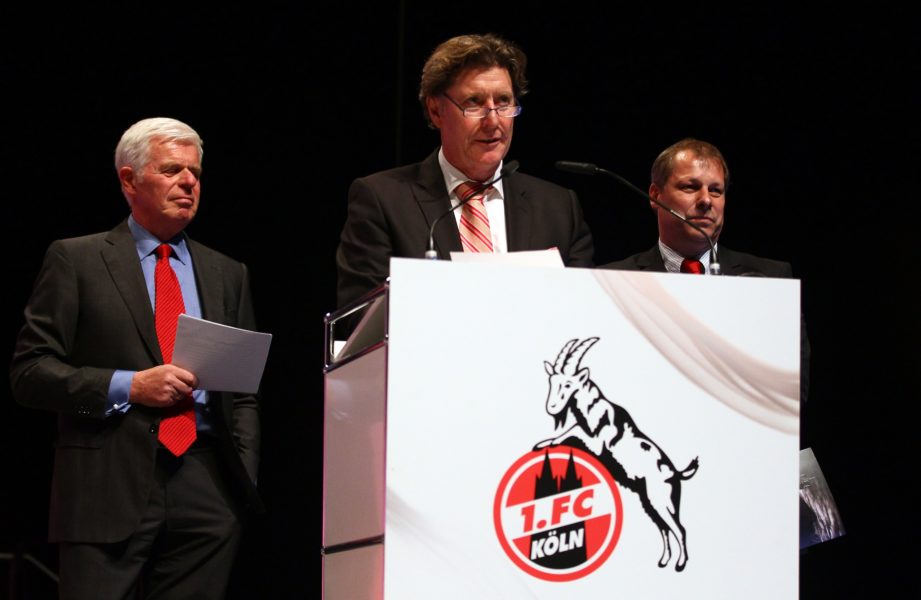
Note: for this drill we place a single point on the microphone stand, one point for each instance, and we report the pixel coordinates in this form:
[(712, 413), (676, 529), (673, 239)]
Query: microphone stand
[(507, 170)]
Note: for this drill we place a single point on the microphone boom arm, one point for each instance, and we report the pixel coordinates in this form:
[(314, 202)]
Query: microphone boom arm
[(590, 169)]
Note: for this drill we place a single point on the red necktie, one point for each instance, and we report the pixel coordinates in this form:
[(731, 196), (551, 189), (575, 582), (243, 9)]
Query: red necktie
[(474, 222), (177, 429), (691, 265)]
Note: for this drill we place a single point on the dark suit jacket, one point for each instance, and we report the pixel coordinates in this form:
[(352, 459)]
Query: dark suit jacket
[(390, 214), (731, 263), (89, 315)]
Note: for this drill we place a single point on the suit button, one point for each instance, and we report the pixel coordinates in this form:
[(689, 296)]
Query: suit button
[(153, 428)]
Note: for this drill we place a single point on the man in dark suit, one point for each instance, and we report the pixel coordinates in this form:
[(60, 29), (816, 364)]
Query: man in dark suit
[(691, 177), (731, 263), (470, 89), (133, 513)]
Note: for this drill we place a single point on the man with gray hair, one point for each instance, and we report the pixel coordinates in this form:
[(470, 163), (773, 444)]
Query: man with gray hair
[(151, 475)]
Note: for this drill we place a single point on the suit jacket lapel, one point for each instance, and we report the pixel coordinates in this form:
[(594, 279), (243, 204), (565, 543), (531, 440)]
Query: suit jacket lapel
[(209, 280), (651, 260), (517, 215), (121, 260), (729, 261), (432, 197)]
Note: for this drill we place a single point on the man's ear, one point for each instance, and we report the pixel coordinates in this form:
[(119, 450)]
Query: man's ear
[(127, 179), (654, 194), (431, 104)]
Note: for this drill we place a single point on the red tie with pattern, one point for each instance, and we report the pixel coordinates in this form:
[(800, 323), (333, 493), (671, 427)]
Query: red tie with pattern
[(177, 429), (692, 265), (474, 222)]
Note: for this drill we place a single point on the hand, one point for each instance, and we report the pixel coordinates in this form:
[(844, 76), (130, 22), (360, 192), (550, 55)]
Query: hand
[(162, 386)]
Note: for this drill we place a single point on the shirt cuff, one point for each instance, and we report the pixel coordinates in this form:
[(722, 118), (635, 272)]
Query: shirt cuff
[(119, 388)]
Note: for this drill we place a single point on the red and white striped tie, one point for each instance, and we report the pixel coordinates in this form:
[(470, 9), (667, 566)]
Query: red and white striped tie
[(474, 222)]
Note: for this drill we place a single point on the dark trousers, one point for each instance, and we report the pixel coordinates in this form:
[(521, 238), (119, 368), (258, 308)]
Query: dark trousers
[(184, 547)]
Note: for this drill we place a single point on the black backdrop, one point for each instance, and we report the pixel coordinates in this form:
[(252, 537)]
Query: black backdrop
[(816, 113)]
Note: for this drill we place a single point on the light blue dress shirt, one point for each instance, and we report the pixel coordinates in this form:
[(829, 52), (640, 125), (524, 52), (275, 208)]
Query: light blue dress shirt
[(181, 261)]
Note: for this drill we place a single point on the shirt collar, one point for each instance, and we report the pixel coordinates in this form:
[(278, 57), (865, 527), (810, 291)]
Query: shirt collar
[(147, 242), (453, 178), (673, 259)]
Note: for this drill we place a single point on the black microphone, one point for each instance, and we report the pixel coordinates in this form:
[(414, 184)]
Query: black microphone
[(507, 169), (590, 169)]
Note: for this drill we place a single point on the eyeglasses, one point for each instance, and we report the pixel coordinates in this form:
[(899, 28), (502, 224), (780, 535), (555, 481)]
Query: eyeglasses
[(481, 112)]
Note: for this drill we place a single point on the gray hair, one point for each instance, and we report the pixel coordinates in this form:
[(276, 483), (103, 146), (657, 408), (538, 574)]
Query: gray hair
[(133, 149)]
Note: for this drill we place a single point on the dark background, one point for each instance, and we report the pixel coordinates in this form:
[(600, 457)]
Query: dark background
[(816, 113)]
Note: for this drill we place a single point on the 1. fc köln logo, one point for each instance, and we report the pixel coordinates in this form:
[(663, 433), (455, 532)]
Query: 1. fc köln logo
[(557, 514), (558, 511)]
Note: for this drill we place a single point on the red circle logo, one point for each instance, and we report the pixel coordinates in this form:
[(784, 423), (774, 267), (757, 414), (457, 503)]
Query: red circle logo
[(558, 513)]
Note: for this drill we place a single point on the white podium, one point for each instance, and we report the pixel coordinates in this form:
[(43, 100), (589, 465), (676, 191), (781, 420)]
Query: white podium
[(499, 432)]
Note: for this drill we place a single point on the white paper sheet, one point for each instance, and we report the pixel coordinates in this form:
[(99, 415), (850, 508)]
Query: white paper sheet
[(525, 258), (223, 358)]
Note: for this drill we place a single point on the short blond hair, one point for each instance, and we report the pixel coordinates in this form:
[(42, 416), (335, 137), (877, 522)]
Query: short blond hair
[(664, 164)]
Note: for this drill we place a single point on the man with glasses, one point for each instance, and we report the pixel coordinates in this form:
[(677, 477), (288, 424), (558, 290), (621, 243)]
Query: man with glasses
[(470, 91)]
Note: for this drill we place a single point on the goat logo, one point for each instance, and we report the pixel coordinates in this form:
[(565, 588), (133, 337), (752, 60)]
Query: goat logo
[(608, 433)]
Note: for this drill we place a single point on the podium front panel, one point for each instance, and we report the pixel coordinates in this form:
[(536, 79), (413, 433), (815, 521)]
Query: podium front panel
[(549, 430), (353, 450), (355, 574)]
